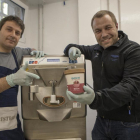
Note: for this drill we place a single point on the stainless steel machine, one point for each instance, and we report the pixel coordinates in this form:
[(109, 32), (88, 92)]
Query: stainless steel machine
[(47, 113)]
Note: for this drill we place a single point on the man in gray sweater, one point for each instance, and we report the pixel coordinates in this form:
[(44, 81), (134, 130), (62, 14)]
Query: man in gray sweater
[(11, 30)]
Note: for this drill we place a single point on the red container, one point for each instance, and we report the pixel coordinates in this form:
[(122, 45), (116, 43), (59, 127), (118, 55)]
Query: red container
[(75, 80)]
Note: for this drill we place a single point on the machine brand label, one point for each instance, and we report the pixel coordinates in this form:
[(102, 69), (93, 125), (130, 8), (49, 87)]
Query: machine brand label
[(53, 60)]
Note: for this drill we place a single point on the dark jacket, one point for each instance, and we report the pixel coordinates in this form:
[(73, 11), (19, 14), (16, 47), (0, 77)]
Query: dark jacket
[(116, 76)]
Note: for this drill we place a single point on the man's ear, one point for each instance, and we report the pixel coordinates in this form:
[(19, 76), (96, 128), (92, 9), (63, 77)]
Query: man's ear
[(117, 25)]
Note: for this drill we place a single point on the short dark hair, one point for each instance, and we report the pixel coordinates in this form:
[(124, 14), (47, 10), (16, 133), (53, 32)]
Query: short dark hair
[(15, 19), (101, 13)]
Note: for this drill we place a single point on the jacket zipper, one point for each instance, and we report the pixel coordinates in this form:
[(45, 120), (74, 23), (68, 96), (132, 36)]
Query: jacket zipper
[(102, 73), (129, 107)]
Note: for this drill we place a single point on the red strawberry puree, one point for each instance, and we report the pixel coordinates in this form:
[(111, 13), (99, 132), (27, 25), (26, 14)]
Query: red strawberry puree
[(75, 80)]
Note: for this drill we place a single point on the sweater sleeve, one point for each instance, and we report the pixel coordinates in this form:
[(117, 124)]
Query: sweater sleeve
[(20, 52)]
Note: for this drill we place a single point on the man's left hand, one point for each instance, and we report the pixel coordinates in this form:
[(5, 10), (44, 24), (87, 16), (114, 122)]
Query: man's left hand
[(38, 54), (87, 97)]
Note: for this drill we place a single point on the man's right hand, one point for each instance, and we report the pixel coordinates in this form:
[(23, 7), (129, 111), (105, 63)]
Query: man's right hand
[(21, 77), (87, 97), (74, 53)]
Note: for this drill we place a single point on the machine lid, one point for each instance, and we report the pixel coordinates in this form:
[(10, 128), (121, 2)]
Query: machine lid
[(72, 71)]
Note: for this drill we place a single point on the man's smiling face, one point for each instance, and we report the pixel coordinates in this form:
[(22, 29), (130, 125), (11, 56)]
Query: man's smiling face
[(105, 30), (10, 34)]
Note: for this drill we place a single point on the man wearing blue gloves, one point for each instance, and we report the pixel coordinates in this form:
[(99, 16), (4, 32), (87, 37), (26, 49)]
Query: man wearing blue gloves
[(116, 74), (11, 29)]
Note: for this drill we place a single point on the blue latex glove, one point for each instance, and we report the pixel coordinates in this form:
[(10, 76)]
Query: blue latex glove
[(74, 53), (38, 54), (21, 77), (87, 97)]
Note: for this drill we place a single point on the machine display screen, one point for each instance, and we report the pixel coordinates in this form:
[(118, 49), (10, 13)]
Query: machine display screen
[(53, 60)]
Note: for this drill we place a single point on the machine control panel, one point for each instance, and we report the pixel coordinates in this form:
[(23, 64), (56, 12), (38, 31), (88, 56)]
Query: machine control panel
[(47, 60)]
